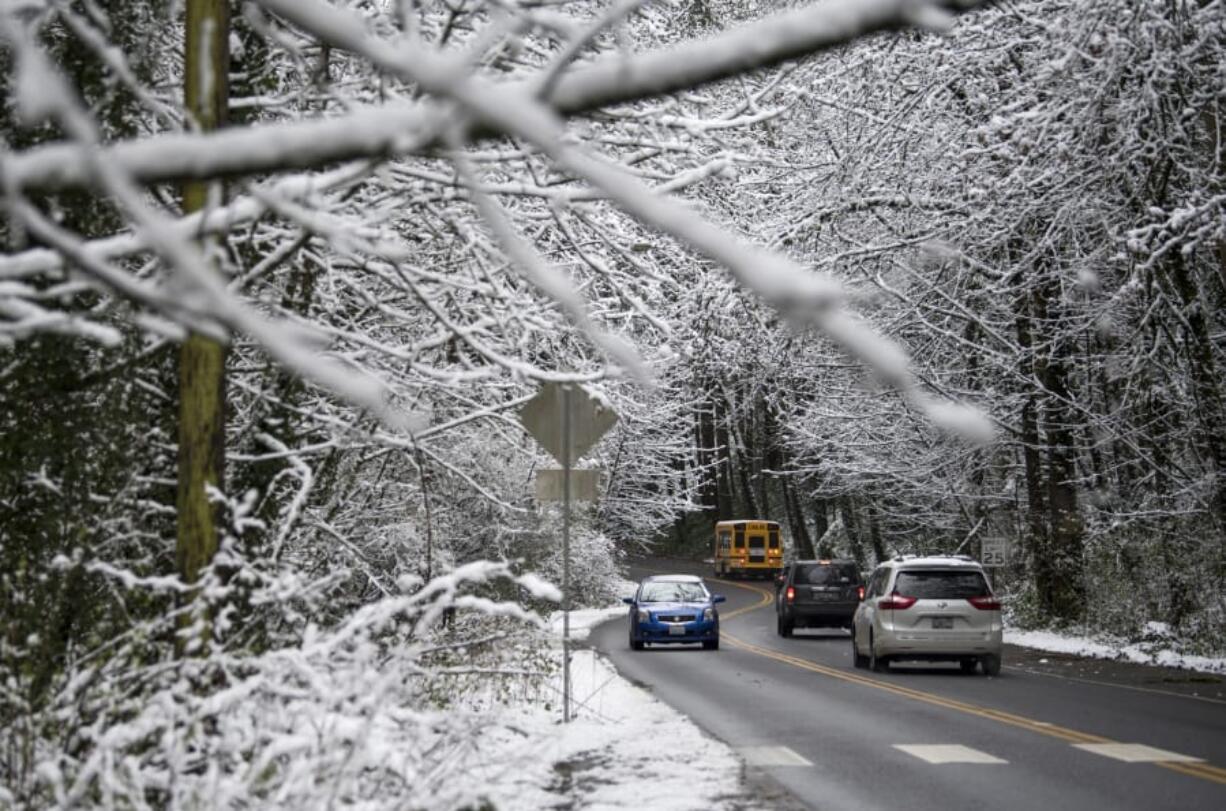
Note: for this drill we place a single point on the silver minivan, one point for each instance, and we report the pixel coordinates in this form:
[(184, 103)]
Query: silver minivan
[(928, 609)]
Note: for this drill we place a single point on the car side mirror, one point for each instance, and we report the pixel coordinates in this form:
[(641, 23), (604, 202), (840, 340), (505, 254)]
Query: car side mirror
[(628, 600), (718, 598)]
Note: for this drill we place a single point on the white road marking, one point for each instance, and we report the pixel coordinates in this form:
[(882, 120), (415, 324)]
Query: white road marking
[(947, 753), (1136, 753), (771, 756)]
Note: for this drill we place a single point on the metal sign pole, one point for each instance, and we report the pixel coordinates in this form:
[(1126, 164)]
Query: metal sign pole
[(566, 440), (583, 421)]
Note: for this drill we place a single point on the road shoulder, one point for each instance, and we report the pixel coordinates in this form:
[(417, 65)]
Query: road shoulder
[(1191, 684)]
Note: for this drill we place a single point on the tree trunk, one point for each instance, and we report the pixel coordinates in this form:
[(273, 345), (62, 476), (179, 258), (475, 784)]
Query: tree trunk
[(741, 468), (1036, 545), (1210, 417), (1066, 593), (753, 507), (851, 525), (1206, 381), (726, 488), (821, 522), (874, 536), (1059, 567), (766, 455), (708, 470), (803, 544), (202, 394)]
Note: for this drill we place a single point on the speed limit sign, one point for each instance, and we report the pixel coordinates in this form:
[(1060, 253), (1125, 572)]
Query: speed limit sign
[(994, 552)]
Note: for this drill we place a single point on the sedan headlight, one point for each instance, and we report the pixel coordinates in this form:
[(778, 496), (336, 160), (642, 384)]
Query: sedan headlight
[(708, 614), (644, 615)]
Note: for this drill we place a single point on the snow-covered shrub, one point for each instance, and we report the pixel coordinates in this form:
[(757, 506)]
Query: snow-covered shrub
[(379, 710)]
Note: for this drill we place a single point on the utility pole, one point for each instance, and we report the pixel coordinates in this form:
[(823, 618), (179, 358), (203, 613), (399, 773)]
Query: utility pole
[(202, 393)]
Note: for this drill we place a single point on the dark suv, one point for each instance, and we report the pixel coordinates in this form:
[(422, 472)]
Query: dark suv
[(817, 594)]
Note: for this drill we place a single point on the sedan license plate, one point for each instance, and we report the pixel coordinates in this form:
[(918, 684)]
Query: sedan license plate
[(676, 630), (942, 622)]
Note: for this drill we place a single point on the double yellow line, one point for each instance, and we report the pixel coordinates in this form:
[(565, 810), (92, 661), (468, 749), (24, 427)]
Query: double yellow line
[(1205, 771)]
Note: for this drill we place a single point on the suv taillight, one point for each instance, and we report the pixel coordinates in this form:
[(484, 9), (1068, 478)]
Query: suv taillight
[(791, 594), (860, 592), (985, 603), (897, 602)]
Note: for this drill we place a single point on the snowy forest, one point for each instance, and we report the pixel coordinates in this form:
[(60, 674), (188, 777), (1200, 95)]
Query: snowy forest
[(278, 275)]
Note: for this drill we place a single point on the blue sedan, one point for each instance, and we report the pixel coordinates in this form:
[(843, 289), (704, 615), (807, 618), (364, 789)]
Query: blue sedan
[(673, 608)]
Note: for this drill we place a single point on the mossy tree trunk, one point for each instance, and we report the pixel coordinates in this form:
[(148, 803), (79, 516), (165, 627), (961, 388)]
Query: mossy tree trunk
[(202, 391)]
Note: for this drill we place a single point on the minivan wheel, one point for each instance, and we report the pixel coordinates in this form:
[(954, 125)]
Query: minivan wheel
[(857, 659), (968, 665), (991, 665), (877, 664)]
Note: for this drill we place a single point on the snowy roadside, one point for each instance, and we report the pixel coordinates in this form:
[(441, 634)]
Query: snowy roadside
[(1142, 653), (622, 742)]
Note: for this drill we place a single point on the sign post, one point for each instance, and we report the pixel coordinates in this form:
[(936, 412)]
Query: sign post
[(566, 445), (993, 554), (567, 422)]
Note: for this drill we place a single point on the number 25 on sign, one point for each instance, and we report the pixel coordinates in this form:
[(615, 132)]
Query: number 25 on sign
[(995, 552)]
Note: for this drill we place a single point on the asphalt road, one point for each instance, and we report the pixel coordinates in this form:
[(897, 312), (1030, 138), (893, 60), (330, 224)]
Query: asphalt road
[(834, 737)]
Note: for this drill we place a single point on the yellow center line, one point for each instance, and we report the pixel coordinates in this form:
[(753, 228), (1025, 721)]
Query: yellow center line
[(1205, 771), (766, 597)]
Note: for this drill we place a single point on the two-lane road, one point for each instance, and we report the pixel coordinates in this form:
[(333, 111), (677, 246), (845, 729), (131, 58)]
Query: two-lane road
[(926, 736)]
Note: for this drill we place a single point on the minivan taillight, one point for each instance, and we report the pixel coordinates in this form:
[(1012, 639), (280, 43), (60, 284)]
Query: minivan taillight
[(791, 594), (985, 603), (897, 602)]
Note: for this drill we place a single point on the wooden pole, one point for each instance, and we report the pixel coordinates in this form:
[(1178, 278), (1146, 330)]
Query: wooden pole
[(202, 393)]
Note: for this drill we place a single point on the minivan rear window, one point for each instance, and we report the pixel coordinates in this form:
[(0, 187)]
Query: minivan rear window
[(825, 574), (940, 585)]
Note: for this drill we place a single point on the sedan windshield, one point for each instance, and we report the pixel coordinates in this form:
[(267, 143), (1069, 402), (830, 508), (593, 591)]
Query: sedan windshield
[(673, 593)]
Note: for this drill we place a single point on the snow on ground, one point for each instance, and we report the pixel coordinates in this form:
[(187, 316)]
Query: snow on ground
[(584, 620), (1146, 653), (624, 748)]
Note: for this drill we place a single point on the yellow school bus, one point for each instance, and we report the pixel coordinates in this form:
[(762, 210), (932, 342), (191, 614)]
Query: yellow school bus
[(748, 549)]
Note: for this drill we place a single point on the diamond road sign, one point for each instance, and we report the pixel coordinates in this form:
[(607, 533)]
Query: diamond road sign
[(543, 417)]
